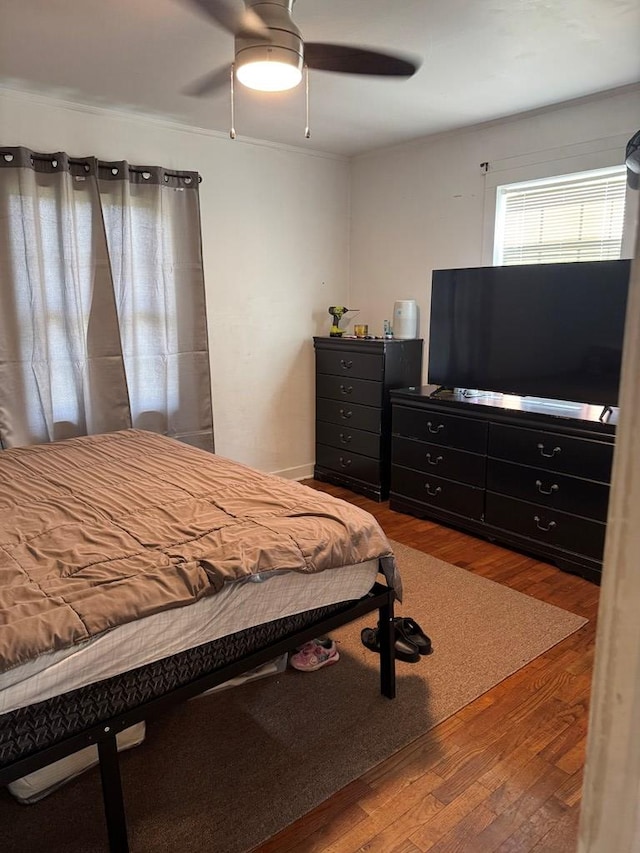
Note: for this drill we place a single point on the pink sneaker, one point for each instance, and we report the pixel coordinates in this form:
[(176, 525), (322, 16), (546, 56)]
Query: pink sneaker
[(314, 655)]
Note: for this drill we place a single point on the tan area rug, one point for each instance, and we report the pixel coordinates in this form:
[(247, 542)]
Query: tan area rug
[(222, 773)]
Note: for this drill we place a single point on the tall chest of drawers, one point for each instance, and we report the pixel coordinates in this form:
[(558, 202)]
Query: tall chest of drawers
[(534, 477), (353, 408)]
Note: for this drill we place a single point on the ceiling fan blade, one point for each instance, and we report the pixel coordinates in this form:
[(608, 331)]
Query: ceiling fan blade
[(234, 17), (356, 60), (208, 84)]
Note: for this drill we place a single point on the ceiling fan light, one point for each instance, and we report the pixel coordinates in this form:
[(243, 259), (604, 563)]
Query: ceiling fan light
[(269, 68), (269, 76)]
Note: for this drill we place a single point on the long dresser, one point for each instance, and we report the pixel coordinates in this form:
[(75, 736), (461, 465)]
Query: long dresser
[(531, 473), (353, 409)]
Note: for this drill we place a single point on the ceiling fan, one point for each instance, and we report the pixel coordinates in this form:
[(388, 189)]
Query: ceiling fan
[(270, 54)]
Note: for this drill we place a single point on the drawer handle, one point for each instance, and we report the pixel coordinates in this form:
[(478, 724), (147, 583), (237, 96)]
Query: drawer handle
[(346, 364), (431, 428), (548, 455), (433, 493), (550, 491), (345, 415), (546, 529), (346, 389), (345, 439), (435, 461), (344, 463)]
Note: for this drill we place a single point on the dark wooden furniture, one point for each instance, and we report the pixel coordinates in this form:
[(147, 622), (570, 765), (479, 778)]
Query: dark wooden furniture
[(531, 473), (353, 410)]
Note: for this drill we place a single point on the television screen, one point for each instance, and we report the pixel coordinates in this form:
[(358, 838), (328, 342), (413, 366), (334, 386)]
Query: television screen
[(539, 330)]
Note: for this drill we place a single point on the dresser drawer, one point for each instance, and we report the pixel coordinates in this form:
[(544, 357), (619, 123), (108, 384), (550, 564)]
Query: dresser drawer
[(437, 492), (362, 391), (441, 461), (551, 451), (354, 364), (549, 489), (345, 437), (555, 528), (464, 433), (350, 414), (345, 462)]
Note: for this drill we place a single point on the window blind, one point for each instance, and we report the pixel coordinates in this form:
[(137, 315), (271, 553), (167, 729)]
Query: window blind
[(569, 218)]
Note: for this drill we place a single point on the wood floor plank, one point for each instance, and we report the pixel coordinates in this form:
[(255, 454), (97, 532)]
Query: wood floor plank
[(397, 786), (524, 796), (449, 816), (524, 801), (405, 847), (381, 800), (465, 832), (556, 751), (481, 758), (413, 755), (533, 830), (562, 835), (486, 746), (336, 814), (383, 830), (573, 759), (545, 731), (571, 791), (515, 773)]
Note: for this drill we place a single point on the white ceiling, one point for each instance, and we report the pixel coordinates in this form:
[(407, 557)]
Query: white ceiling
[(481, 60)]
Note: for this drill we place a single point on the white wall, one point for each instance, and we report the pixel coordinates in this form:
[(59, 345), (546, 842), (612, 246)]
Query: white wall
[(275, 244), (427, 205)]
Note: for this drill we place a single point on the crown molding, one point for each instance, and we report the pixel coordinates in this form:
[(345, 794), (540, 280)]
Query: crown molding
[(427, 139), (157, 120)]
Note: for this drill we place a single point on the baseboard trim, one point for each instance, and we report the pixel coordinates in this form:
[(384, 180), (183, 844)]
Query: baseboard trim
[(300, 472)]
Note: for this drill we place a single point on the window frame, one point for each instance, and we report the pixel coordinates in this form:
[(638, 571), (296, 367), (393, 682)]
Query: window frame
[(602, 153), (555, 180)]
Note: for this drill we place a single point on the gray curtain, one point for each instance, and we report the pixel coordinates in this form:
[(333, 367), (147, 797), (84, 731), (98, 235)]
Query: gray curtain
[(102, 307)]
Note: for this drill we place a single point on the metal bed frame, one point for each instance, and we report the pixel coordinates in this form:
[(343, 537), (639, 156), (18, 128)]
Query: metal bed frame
[(103, 734)]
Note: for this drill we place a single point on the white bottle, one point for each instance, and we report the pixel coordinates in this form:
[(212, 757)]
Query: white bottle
[(405, 319)]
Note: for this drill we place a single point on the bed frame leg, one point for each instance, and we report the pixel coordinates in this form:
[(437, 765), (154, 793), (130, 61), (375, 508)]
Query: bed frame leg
[(386, 634), (112, 795)]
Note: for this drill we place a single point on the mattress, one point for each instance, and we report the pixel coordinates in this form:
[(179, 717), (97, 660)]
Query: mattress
[(29, 730), (238, 606), (104, 530)]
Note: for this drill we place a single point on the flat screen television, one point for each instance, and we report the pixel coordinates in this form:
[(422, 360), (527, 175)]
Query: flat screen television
[(539, 330)]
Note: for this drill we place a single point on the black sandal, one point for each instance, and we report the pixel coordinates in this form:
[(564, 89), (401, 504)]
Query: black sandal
[(404, 650), (411, 632)]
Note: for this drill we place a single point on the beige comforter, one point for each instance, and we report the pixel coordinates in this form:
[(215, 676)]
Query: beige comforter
[(101, 530)]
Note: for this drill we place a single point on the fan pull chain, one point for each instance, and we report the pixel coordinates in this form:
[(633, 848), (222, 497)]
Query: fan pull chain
[(232, 130), (307, 131)]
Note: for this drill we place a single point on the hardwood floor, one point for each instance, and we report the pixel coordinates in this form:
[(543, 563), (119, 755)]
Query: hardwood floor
[(504, 774)]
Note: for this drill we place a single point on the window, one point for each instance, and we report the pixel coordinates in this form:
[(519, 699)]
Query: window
[(577, 217), (52, 354), (148, 282)]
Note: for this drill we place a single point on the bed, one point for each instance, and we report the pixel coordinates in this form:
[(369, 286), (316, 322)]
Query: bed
[(137, 571)]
